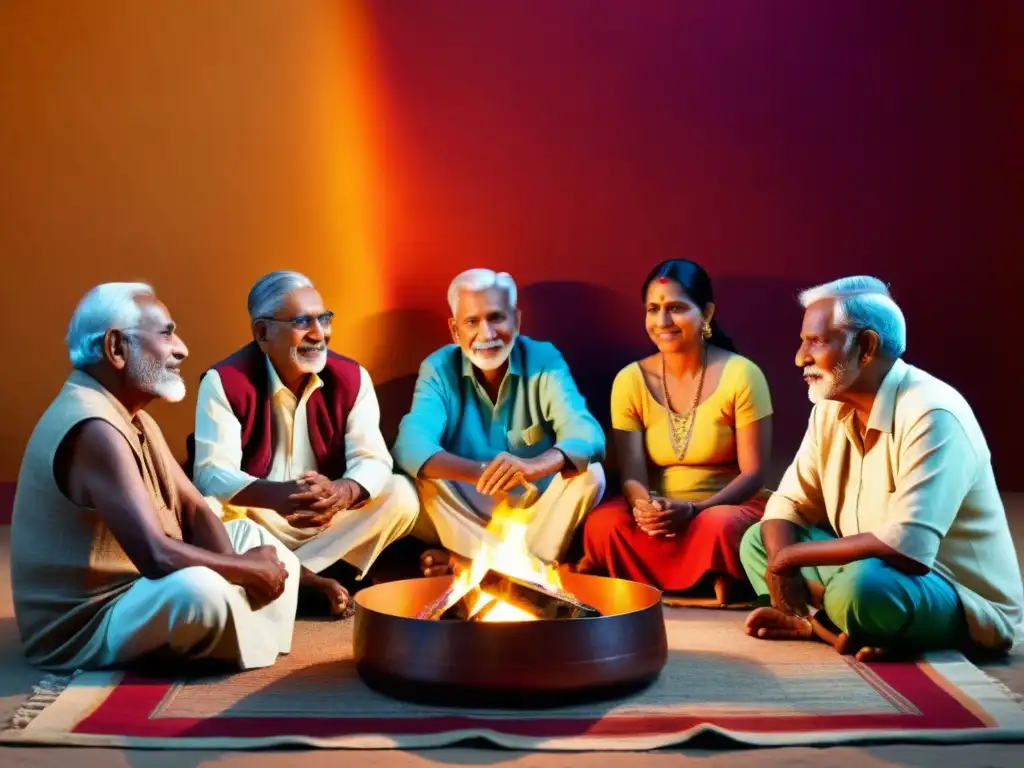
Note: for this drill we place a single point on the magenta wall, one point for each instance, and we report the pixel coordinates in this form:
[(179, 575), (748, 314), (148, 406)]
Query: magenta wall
[(577, 143)]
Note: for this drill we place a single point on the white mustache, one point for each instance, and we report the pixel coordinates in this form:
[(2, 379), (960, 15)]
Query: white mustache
[(312, 348), (492, 344)]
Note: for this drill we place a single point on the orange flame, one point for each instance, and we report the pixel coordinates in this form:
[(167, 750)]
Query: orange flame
[(506, 552)]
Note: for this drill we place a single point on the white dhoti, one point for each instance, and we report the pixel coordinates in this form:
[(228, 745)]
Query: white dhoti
[(195, 614), (357, 536), (456, 515)]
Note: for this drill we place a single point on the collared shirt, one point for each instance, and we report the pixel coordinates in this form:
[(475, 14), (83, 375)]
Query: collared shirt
[(538, 408), (920, 479), (218, 437)]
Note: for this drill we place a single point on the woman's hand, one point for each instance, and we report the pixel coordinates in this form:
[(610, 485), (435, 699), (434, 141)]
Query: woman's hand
[(662, 517)]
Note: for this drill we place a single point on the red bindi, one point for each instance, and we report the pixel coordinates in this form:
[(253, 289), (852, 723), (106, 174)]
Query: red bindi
[(662, 279)]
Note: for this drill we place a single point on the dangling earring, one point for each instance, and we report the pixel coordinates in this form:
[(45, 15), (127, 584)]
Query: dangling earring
[(706, 331)]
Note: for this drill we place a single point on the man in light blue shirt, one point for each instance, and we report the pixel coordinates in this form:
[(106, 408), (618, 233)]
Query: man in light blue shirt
[(489, 412)]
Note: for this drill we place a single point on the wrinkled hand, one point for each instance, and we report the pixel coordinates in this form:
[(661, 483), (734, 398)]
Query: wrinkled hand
[(787, 587), (263, 576), (505, 472), (661, 517), (321, 500)]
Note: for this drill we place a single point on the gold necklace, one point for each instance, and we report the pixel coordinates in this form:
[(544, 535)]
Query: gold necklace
[(680, 428)]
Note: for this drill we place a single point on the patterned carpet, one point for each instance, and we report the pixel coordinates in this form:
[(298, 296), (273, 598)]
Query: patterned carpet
[(717, 679)]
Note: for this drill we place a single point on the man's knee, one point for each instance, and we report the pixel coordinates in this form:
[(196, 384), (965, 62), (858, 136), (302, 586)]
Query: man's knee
[(403, 502), (246, 534), (752, 547), (197, 597), (865, 600), (588, 485)]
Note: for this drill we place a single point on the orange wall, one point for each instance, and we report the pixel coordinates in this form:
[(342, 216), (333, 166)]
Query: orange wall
[(193, 144), (381, 147)]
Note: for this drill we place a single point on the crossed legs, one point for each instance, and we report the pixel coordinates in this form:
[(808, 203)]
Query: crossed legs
[(867, 608)]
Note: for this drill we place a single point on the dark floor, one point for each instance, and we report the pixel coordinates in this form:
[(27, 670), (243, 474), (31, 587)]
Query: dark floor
[(16, 679)]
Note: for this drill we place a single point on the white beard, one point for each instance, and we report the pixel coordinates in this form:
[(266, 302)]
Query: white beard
[(309, 365), (494, 362), (153, 377), (828, 386), (832, 383)]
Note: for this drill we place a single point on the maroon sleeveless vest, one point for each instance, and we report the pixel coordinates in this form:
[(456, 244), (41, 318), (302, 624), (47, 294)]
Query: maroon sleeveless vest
[(246, 384)]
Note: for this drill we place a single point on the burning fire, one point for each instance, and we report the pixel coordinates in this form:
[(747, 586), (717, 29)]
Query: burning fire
[(508, 554)]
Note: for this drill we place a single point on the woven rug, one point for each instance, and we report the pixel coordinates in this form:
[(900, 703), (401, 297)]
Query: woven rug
[(717, 680)]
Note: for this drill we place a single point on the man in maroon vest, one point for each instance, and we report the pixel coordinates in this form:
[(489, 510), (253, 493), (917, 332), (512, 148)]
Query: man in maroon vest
[(288, 434)]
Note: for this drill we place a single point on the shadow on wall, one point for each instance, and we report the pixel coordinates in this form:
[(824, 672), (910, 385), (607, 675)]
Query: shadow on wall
[(763, 317), (599, 331), (401, 339)]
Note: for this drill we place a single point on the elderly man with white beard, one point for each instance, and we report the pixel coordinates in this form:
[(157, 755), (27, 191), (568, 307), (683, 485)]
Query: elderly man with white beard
[(491, 411), (887, 536), (288, 434), (115, 556)]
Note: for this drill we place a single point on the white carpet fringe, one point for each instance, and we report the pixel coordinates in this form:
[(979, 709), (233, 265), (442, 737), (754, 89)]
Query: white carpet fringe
[(43, 695)]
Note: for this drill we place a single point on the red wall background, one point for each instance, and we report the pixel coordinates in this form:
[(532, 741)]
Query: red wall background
[(383, 147), (576, 144)]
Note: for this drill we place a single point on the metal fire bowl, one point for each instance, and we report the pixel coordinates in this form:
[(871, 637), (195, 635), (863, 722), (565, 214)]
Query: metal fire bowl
[(524, 664)]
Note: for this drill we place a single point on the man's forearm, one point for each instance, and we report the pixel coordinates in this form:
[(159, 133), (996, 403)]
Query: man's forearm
[(447, 466), (552, 461), (845, 550), (267, 494), (206, 531), (172, 555), (777, 535)]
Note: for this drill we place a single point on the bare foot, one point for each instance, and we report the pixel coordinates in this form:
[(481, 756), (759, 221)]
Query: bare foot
[(769, 623), (338, 598), (436, 562), (865, 653)]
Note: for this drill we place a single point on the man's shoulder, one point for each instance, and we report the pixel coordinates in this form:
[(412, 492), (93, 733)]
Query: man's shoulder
[(923, 395), (241, 365), (540, 354), (343, 368), (442, 362), (920, 394), (77, 402)]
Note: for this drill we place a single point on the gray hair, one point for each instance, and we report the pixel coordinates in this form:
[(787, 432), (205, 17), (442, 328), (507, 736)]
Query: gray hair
[(109, 305), (480, 279), (267, 296), (863, 303)]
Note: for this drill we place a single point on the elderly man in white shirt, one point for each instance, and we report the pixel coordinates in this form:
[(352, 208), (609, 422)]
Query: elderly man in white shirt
[(288, 434), (887, 535)]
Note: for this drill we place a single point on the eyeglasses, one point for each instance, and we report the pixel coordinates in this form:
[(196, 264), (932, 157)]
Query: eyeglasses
[(303, 322)]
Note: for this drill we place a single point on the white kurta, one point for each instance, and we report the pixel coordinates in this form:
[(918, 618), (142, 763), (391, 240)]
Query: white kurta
[(356, 535), (195, 614)]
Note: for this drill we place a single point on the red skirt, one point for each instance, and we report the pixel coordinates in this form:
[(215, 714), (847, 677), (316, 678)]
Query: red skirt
[(710, 545)]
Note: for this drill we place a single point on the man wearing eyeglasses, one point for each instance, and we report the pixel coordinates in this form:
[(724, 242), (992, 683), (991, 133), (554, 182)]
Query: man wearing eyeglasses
[(288, 434)]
